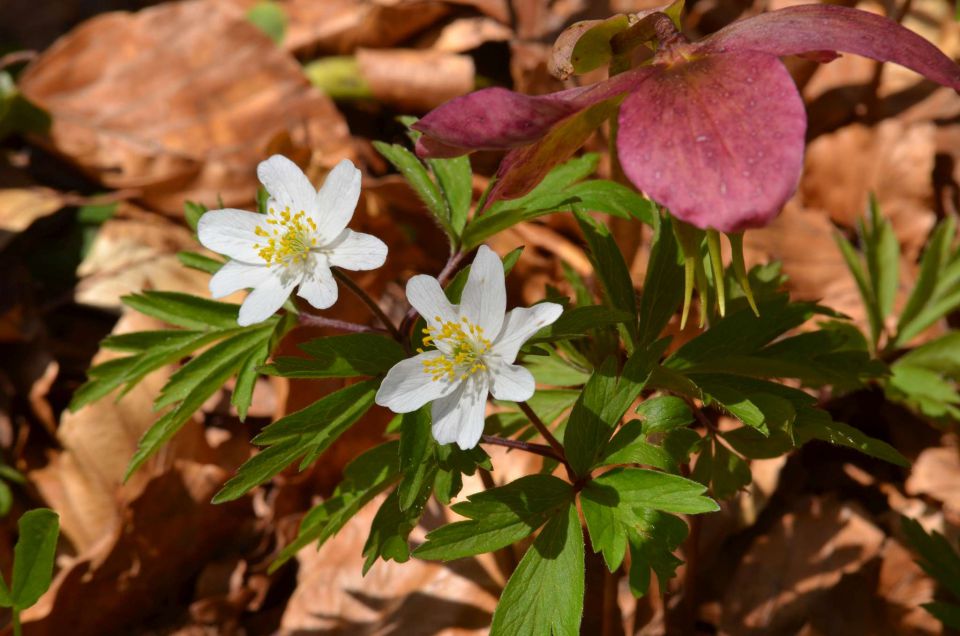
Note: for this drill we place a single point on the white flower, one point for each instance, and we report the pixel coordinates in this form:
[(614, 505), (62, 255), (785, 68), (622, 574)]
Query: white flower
[(301, 237), (476, 345)]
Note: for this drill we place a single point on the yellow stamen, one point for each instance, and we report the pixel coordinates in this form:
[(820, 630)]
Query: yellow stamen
[(289, 237), (466, 347)]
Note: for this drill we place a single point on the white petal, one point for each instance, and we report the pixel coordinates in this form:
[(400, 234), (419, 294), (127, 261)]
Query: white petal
[(407, 386), (427, 297), (357, 251), (459, 417), (287, 184), (337, 200), (231, 233), (318, 287), (520, 325), (267, 297), (484, 299), (234, 276), (512, 382)]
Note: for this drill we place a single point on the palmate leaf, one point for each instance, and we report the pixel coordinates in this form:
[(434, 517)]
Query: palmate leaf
[(545, 593), (663, 284), (363, 479), (419, 179), (305, 433), (33, 558), (345, 356), (498, 517)]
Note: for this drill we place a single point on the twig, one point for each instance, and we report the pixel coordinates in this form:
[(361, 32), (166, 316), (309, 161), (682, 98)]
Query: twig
[(313, 320), (530, 447), (542, 428), (16, 58), (368, 301)]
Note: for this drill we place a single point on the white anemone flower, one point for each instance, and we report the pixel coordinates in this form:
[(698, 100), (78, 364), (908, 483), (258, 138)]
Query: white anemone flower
[(302, 236), (475, 344)]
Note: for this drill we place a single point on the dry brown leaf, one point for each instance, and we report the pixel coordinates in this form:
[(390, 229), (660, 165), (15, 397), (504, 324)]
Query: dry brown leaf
[(414, 80), (416, 597), (179, 101), (136, 252), (20, 207), (791, 570), (936, 474), (465, 34)]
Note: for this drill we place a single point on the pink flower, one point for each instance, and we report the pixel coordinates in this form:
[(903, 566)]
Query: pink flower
[(713, 130)]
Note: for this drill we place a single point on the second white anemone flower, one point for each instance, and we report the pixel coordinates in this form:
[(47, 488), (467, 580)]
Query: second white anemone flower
[(475, 344), (302, 236)]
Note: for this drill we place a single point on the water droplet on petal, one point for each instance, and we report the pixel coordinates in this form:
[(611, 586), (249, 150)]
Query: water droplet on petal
[(657, 174), (723, 187), (746, 173), (701, 138)]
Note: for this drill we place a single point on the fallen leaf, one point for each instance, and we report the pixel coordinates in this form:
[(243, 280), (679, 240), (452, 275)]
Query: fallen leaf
[(414, 80), (792, 569), (936, 474), (179, 101), (20, 207)]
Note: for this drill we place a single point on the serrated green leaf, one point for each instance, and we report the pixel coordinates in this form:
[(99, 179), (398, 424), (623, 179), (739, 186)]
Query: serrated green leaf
[(612, 271), (184, 310), (498, 517), (935, 258), (138, 341), (364, 478), (557, 179), (247, 376), (344, 356), (816, 424), (629, 446), (882, 251), (544, 595), (455, 179), (663, 284), (553, 370), (935, 554), (417, 463), (33, 556), (663, 413), (852, 259), (639, 487), (233, 350), (653, 540), (390, 529), (419, 179), (579, 321)]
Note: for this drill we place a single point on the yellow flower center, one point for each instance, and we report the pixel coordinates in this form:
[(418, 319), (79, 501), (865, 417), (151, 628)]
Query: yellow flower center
[(288, 238), (466, 345)]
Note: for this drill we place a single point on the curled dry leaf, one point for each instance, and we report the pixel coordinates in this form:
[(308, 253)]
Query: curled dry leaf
[(179, 100), (936, 474), (414, 80), (465, 34)]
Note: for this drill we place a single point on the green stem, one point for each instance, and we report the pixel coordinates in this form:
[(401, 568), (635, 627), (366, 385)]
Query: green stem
[(16, 623), (369, 302)]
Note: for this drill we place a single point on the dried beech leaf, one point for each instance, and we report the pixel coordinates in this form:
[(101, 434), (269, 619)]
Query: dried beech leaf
[(179, 101), (414, 80)]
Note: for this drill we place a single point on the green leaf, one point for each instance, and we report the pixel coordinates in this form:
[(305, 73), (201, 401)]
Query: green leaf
[(936, 257), (184, 310), (663, 284), (559, 178), (816, 424), (269, 17), (726, 472), (391, 527), (639, 487), (579, 321), (419, 179), (348, 356), (882, 251), (455, 179), (935, 555), (553, 370), (604, 400), (629, 446), (498, 517), (309, 431), (200, 262), (946, 613), (544, 595), (653, 540), (663, 413), (232, 351), (852, 260), (764, 406), (192, 213), (417, 463), (363, 479), (612, 270), (140, 341), (33, 556), (247, 378)]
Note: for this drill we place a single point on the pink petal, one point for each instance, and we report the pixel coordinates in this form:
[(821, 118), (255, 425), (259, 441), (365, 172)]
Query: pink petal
[(718, 140), (823, 27), (498, 119)]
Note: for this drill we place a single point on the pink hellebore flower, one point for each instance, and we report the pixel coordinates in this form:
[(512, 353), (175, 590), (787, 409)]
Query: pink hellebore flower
[(713, 130)]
